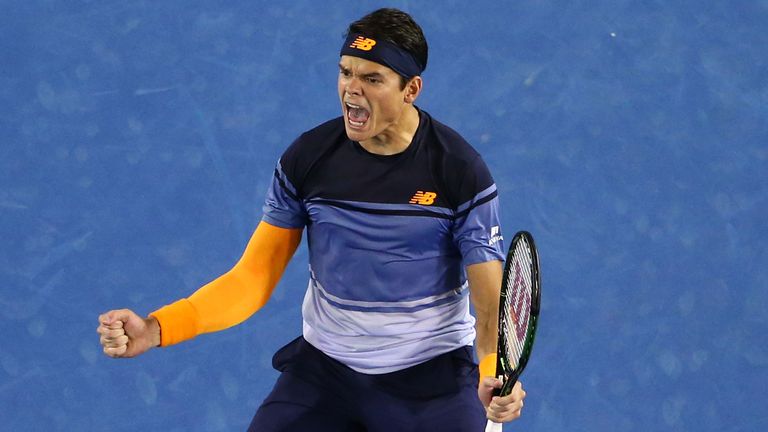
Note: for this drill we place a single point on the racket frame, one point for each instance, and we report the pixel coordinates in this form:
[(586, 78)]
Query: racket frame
[(504, 369)]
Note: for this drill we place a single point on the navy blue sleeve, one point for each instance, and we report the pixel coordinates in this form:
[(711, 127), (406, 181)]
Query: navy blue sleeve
[(477, 230), (283, 206)]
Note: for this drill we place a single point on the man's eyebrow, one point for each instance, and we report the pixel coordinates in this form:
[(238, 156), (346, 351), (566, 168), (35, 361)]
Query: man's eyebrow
[(365, 75), (373, 75)]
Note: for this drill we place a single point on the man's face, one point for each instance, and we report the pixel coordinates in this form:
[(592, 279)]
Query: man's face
[(371, 99)]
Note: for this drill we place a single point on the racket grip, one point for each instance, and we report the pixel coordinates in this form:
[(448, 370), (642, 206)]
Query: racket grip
[(492, 426)]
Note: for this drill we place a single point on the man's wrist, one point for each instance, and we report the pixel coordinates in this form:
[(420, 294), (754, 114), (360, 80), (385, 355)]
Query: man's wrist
[(153, 326)]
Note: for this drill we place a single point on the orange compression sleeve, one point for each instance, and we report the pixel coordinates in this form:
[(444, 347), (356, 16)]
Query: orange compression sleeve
[(235, 295)]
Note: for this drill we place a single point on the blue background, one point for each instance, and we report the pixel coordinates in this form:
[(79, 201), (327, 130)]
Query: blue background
[(630, 137)]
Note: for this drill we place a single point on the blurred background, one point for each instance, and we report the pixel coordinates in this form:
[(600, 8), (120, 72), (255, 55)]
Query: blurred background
[(630, 137)]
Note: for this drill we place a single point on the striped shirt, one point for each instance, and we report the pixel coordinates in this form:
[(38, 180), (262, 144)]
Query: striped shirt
[(388, 237)]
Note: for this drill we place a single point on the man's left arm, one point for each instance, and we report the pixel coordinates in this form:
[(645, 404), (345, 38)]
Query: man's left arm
[(485, 290)]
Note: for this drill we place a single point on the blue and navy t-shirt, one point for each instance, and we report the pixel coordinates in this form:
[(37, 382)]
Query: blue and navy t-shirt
[(388, 240)]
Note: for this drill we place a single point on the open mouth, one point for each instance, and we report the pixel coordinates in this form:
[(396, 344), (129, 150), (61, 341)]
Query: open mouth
[(357, 116)]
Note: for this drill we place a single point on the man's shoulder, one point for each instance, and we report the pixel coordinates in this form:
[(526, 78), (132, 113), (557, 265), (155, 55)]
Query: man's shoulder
[(316, 140), (310, 146), (329, 131), (447, 140), (456, 163)]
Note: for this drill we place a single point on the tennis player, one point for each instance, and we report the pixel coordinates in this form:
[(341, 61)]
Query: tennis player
[(402, 224)]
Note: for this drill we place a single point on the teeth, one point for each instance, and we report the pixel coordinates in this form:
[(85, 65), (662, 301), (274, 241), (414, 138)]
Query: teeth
[(354, 107)]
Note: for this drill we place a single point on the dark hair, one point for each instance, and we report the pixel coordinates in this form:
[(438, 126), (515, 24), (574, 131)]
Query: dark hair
[(396, 27)]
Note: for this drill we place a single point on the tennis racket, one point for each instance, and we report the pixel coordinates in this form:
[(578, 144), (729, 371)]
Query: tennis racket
[(518, 314)]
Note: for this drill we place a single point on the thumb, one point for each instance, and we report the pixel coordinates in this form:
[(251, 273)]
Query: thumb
[(492, 382)]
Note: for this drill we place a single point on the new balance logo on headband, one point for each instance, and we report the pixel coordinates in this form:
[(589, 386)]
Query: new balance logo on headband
[(363, 43)]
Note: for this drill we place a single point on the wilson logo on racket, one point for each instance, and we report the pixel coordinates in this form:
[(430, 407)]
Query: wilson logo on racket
[(521, 305), (362, 43), (423, 198)]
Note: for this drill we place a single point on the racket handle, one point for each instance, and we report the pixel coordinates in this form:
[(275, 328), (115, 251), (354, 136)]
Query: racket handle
[(492, 426)]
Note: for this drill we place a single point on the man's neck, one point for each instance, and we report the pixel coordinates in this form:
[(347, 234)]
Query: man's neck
[(397, 137)]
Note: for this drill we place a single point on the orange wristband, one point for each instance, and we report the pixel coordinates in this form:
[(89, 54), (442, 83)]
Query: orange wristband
[(488, 366), (178, 322)]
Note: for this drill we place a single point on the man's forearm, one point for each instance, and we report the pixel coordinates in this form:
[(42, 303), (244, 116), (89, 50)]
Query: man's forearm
[(487, 335), (485, 286)]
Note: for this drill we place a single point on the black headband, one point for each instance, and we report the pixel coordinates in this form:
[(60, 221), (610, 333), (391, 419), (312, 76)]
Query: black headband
[(384, 53)]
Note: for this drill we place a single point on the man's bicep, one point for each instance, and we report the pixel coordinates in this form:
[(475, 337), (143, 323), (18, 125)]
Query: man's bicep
[(481, 271), (484, 283), (271, 243)]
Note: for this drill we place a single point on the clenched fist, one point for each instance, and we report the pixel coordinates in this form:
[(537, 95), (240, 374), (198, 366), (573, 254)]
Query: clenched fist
[(497, 408), (125, 334)]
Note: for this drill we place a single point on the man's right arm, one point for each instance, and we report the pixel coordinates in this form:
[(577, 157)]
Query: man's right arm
[(223, 303)]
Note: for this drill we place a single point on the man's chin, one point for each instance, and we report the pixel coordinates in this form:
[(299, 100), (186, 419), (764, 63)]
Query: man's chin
[(356, 134)]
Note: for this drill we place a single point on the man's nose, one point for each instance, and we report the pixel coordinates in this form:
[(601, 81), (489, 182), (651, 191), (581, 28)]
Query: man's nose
[(354, 87)]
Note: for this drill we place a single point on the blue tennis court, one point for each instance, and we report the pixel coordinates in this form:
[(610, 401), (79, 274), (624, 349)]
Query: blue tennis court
[(630, 137)]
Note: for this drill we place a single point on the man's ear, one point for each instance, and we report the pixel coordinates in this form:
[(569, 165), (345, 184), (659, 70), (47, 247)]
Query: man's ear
[(413, 89)]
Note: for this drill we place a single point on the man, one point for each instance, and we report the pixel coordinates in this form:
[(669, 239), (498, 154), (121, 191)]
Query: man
[(402, 229)]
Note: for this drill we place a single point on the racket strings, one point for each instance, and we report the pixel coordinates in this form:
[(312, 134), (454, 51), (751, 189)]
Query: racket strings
[(516, 313)]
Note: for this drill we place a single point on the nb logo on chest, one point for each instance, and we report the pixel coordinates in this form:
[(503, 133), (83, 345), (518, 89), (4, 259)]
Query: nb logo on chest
[(423, 198)]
